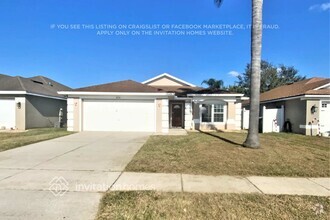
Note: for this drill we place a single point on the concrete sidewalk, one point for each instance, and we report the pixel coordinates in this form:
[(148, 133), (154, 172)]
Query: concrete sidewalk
[(222, 184)]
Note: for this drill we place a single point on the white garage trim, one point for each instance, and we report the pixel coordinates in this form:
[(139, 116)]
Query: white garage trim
[(7, 113), (118, 115)]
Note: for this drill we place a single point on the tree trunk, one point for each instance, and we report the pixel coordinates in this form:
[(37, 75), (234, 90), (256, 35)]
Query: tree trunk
[(252, 139)]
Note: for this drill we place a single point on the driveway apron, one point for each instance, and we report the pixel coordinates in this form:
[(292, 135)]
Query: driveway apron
[(64, 178)]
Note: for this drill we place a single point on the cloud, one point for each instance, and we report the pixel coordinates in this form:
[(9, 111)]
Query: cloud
[(320, 7), (234, 73)]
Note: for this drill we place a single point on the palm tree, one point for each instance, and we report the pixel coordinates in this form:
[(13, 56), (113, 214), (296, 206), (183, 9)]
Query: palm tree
[(252, 139), (213, 84)]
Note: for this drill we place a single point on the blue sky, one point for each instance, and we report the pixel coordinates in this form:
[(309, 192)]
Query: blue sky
[(31, 44)]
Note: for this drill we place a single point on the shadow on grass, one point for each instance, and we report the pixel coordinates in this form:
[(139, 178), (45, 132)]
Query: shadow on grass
[(222, 138)]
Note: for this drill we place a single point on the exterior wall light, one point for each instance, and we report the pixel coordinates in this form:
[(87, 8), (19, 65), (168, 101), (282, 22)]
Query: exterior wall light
[(314, 109), (19, 105)]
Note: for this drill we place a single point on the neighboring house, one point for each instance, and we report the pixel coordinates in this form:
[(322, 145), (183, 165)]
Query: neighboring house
[(30, 102), (155, 105), (303, 107)]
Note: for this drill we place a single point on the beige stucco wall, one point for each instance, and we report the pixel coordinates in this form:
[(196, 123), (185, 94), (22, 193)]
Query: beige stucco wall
[(188, 115), (210, 126), (43, 112), (165, 81), (73, 114), (165, 115), (238, 115), (158, 115), (20, 113), (231, 113), (312, 119), (76, 113)]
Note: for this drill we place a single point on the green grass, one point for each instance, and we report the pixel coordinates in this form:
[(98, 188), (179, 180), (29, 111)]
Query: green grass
[(10, 140), (218, 153), (156, 205)]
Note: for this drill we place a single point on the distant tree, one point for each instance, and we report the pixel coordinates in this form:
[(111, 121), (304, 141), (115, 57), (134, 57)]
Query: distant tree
[(271, 77), (236, 88), (288, 74), (213, 84)]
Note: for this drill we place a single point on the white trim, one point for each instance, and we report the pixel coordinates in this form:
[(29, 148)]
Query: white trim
[(308, 126), (321, 87), (13, 92), (212, 113), (115, 93), (28, 93), (170, 76), (46, 96), (215, 95)]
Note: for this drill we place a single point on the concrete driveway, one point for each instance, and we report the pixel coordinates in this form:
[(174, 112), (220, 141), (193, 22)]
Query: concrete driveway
[(63, 178)]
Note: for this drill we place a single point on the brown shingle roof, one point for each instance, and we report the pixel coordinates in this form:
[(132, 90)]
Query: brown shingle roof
[(184, 90), (121, 86), (303, 87), (39, 85), (318, 92), (179, 90)]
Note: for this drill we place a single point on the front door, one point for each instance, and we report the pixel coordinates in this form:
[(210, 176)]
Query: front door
[(176, 110)]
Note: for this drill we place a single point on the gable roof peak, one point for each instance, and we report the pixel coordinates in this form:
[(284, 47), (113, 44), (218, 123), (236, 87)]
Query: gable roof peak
[(314, 79), (169, 76)]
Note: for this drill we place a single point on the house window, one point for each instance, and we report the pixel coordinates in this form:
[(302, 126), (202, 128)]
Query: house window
[(212, 113), (324, 105), (206, 113), (218, 113)]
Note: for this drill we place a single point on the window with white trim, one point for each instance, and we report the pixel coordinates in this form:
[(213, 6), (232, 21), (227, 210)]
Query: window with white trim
[(206, 113), (212, 113)]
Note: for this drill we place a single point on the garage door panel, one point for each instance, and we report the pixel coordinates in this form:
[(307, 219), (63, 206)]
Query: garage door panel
[(7, 113), (113, 115)]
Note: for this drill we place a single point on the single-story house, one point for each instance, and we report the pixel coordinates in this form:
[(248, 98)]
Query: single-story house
[(30, 102), (155, 105), (302, 107)]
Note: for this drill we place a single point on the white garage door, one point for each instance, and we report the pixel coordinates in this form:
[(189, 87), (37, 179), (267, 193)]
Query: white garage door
[(7, 113), (118, 115), (324, 116)]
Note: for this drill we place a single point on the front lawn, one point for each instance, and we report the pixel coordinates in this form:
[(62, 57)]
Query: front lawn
[(9, 140), (155, 205), (218, 153)]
